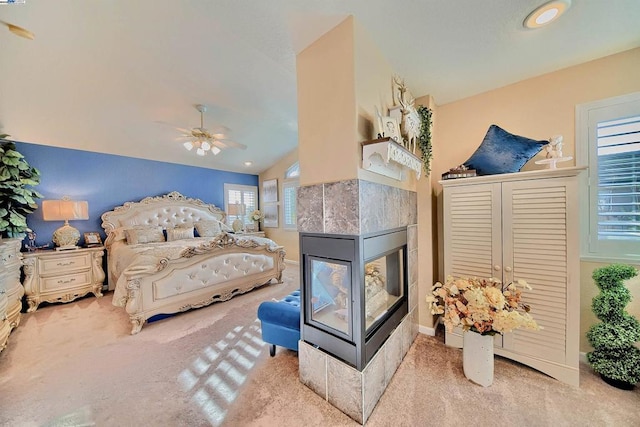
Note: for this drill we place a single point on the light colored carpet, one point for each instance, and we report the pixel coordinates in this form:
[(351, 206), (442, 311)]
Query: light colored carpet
[(76, 364)]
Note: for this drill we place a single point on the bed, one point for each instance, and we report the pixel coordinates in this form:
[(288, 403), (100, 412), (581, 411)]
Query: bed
[(168, 254)]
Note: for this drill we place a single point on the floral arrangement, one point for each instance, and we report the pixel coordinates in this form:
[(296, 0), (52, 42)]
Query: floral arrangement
[(256, 216), (480, 305)]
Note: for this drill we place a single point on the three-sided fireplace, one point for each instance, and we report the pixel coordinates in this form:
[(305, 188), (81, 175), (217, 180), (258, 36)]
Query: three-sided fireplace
[(354, 291)]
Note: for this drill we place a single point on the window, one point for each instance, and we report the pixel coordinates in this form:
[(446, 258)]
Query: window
[(293, 171), (289, 196), (609, 143), (245, 196)]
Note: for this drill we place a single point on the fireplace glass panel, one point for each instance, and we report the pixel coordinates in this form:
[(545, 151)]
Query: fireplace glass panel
[(330, 293), (383, 280)]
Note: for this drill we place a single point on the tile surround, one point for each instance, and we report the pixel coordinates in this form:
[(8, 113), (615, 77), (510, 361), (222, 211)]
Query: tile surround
[(357, 207), (356, 393)]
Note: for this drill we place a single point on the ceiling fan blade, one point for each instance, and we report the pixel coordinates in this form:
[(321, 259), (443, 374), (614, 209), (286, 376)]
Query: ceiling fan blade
[(185, 131), (19, 31), (219, 129), (232, 144)]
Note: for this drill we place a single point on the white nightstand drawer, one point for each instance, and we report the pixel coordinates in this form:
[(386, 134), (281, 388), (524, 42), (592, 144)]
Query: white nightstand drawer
[(55, 265), (82, 278)]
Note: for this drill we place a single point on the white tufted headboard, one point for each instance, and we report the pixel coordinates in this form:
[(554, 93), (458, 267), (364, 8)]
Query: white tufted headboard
[(166, 211)]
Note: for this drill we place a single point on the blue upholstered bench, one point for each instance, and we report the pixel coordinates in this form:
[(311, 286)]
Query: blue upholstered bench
[(280, 322)]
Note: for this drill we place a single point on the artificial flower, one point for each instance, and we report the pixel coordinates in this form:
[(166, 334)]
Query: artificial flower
[(481, 305), (256, 216)]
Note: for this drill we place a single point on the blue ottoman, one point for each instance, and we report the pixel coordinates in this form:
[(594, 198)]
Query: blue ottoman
[(280, 322)]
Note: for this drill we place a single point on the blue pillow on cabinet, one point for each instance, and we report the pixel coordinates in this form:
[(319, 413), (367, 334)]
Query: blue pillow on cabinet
[(503, 152)]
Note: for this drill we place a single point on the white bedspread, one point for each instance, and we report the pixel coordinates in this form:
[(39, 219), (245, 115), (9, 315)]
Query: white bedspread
[(144, 258)]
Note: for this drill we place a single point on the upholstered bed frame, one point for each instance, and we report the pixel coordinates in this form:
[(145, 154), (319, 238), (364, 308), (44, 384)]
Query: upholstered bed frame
[(200, 274)]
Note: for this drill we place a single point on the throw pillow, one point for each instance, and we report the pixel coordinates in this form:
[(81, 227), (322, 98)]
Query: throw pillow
[(179, 233), (144, 235), (503, 152), (208, 228)]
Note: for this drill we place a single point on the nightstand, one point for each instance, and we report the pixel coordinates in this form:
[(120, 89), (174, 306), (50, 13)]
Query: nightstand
[(62, 276)]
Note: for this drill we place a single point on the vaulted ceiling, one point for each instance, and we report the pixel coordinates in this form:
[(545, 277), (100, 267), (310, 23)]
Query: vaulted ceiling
[(119, 76)]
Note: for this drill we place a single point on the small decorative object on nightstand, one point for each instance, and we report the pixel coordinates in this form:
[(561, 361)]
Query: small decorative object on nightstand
[(53, 276), (92, 239)]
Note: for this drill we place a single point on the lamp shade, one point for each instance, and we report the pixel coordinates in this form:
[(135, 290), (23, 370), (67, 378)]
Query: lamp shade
[(237, 209), (64, 210)]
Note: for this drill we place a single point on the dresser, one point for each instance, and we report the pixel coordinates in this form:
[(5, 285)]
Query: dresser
[(11, 290), (522, 226), (62, 276)]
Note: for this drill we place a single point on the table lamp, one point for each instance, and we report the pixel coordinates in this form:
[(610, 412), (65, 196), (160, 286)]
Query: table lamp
[(237, 210), (65, 237)]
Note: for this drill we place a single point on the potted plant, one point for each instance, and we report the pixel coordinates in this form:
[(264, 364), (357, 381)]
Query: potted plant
[(482, 308), (615, 357), (17, 199)]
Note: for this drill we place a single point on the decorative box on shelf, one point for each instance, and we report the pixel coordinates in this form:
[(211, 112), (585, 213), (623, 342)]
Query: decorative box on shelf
[(386, 157), (455, 174)]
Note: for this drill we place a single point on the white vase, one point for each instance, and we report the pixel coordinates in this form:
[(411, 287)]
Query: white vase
[(477, 358)]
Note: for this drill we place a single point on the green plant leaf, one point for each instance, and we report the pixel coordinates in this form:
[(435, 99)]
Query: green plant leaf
[(4, 173), (18, 198), (17, 220)]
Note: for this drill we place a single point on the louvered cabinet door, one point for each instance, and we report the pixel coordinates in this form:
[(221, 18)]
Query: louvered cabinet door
[(540, 220), (472, 237)]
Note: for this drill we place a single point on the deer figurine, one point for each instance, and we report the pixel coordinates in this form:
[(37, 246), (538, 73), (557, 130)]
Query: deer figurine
[(410, 121)]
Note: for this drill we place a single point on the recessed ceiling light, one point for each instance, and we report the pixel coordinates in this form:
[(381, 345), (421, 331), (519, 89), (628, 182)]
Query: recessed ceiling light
[(546, 13), (248, 163)]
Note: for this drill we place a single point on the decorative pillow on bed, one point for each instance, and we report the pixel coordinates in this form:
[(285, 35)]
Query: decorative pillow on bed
[(179, 233), (503, 152), (144, 235), (208, 228)]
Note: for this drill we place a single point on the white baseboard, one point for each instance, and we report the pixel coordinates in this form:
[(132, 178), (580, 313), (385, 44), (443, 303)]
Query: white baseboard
[(292, 262), (583, 358), (427, 330)]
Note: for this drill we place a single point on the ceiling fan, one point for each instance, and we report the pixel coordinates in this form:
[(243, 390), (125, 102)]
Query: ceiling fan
[(19, 31), (204, 140)]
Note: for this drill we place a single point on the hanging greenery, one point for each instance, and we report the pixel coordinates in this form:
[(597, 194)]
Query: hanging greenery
[(424, 139)]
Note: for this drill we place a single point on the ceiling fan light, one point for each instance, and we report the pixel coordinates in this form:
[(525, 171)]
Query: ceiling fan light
[(206, 145), (215, 150), (200, 152), (188, 145)]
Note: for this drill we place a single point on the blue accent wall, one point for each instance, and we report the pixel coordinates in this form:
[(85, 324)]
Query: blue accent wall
[(107, 181)]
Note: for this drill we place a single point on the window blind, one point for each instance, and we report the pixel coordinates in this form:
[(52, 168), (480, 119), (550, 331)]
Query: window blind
[(289, 189), (618, 148), (241, 194)]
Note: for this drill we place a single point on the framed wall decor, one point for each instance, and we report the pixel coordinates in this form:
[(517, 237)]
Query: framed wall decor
[(92, 239), (389, 128), (270, 191), (271, 216)]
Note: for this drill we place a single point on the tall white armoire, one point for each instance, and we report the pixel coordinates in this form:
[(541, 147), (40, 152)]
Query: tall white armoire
[(522, 225)]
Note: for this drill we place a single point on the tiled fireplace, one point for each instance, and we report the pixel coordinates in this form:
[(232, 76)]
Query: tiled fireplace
[(354, 336), (354, 291)]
